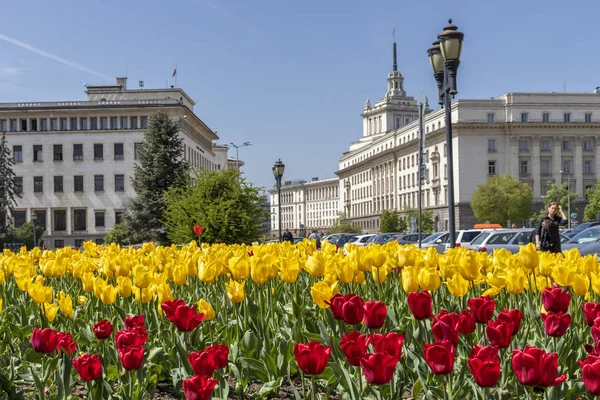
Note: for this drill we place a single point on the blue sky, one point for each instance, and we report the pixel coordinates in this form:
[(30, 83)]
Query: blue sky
[(291, 76)]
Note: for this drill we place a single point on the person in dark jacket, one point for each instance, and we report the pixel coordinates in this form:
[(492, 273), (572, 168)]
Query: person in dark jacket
[(287, 236), (547, 237)]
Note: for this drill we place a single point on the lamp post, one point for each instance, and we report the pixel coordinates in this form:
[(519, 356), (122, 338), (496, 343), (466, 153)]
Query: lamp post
[(568, 197), (445, 58), (237, 153), (278, 169), (33, 219), (347, 187)]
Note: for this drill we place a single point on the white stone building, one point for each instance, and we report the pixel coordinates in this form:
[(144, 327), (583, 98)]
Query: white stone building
[(74, 159), (531, 136), (306, 206)]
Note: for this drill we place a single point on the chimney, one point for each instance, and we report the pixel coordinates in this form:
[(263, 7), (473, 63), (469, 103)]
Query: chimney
[(122, 81), (314, 179)]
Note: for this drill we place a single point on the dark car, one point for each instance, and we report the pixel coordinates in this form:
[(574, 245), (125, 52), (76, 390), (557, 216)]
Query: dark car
[(407, 238), (582, 227), (380, 238), (344, 238)]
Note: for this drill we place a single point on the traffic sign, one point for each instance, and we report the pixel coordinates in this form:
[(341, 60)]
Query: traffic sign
[(574, 215)]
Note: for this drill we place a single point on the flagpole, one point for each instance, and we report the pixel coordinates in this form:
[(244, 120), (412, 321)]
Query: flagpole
[(175, 75)]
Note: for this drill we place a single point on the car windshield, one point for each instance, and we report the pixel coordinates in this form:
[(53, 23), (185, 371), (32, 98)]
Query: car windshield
[(468, 237), (587, 236), (353, 239), (432, 238), (579, 228), (479, 239), (501, 238)]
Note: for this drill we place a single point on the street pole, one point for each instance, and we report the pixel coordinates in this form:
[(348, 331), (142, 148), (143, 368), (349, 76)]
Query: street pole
[(33, 218), (450, 164), (278, 170), (569, 200), (421, 165), (279, 205)]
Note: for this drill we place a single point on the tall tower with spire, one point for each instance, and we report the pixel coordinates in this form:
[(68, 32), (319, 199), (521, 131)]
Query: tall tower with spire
[(395, 79)]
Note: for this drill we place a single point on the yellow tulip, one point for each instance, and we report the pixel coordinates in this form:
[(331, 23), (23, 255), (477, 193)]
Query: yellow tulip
[(50, 311), (289, 270), (87, 280), (345, 270), (205, 308), (596, 283), (207, 270), (144, 295), (468, 267), (40, 293), (589, 264), (235, 291), (376, 256), (581, 284), (564, 273), (124, 285), (379, 274), (492, 291), (66, 304), (322, 292), (142, 276), (529, 256), (0, 306), (359, 277), (239, 267), (515, 280), (179, 275), (457, 285), (315, 266), (410, 279), (81, 300), (429, 279), (163, 291), (107, 294), (258, 270)]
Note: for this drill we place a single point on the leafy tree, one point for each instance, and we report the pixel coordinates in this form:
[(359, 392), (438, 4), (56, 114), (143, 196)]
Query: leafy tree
[(22, 234), (502, 198), (428, 223), (7, 180), (390, 222), (593, 207), (120, 234), (228, 209), (344, 226), (161, 167), (559, 194)]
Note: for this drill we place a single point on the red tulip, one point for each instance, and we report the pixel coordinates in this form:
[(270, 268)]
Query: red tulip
[(485, 365), (556, 324), (590, 372), (534, 367), (420, 304), (482, 308), (499, 333), (103, 329), (378, 368), (595, 331), (445, 327), (65, 343), (556, 300), (198, 387), (184, 318), (220, 355), (591, 311), (336, 303), (390, 343), (170, 306), (439, 357), (44, 341), (88, 367), (375, 313), (134, 321), (466, 323), (131, 357), (312, 358), (515, 316), (198, 229), (130, 337), (354, 345), (203, 362), (353, 310)]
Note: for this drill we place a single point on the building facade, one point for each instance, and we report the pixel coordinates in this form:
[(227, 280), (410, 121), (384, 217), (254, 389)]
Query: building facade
[(306, 206), (535, 137), (74, 160)]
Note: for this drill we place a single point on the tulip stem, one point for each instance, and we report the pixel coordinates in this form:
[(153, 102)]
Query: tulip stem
[(313, 390), (360, 384)]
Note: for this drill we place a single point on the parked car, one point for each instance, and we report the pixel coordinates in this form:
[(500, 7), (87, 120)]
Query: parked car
[(583, 238), (343, 239), (380, 238), (501, 239), (361, 240), (407, 238), (581, 227), (436, 240)]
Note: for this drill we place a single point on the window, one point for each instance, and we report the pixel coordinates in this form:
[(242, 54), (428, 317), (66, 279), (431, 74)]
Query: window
[(64, 124), (546, 167), (19, 217), (587, 167), (566, 145), (491, 167), (523, 145), (588, 145), (37, 152), (73, 124), (567, 166), (119, 217), (524, 117), (3, 125), (41, 218), (23, 125), (103, 123), (98, 151), (18, 182), (114, 123), (491, 118), (546, 117), (567, 117), (99, 242), (60, 220), (397, 122), (145, 122), (54, 124), (59, 243), (79, 220), (119, 183), (524, 167), (58, 183), (134, 124), (34, 124), (78, 152), (84, 124), (588, 117), (58, 152), (78, 183), (98, 183), (99, 218), (78, 243), (124, 124), (137, 149), (119, 151), (44, 124), (94, 123), (545, 144), (38, 184), (13, 125), (18, 153)]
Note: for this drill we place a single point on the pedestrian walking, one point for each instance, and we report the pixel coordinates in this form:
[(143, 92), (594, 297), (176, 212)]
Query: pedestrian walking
[(547, 237)]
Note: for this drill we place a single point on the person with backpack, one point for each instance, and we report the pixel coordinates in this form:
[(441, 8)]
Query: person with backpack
[(547, 237), (315, 236)]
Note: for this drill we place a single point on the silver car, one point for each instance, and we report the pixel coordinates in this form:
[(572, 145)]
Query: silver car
[(583, 238), (509, 239)]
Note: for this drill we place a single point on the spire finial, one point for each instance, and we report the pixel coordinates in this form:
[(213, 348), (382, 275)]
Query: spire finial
[(395, 65)]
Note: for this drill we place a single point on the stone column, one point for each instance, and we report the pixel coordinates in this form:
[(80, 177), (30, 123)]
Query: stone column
[(513, 160), (557, 160), (577, 172), (535, 168), (69, 211)]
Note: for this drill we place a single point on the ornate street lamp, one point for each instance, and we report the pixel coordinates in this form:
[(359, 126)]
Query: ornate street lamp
[(347, 187), (444, 57), (278, 169)]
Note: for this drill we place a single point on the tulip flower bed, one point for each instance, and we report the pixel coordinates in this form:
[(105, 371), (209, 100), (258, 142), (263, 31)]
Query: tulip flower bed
[(382, 322)]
